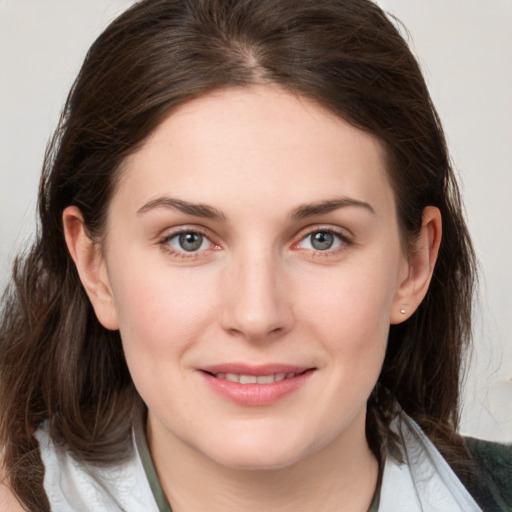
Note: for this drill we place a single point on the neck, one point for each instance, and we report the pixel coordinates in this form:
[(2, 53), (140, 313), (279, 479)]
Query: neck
[(342, 475)]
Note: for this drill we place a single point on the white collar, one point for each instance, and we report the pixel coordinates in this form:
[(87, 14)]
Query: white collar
[(423, 481)]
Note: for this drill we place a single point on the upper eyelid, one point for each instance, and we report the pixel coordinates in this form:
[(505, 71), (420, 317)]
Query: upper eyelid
[(172, 232), (344, 233)]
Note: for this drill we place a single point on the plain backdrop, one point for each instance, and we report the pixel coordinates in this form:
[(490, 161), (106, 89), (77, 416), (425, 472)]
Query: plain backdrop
[(465, 49)]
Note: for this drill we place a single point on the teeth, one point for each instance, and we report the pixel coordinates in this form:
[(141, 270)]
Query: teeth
[(265, 379), (253, 379), (248, 379)]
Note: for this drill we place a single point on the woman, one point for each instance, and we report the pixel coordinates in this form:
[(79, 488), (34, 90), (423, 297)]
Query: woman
[(171, 341)]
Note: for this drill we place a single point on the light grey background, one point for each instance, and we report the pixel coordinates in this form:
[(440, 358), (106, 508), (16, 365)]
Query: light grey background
[(465, 48)]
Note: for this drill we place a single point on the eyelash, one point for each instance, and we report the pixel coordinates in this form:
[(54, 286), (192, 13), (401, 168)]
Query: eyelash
[(343, 239), (164, 243)]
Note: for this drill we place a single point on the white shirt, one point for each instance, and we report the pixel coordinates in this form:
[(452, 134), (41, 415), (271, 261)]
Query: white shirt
[(421, 482)]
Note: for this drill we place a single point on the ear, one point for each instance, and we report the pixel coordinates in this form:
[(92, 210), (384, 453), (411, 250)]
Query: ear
[(420, 267), (91, 266)]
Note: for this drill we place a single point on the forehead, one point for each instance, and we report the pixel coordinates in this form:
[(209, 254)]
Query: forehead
[(242, 145)]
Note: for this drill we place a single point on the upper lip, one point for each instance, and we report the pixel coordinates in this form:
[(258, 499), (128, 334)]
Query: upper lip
[(255, 370)]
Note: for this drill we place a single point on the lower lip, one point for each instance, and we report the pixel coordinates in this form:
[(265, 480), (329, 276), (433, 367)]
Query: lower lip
[(255, 395)]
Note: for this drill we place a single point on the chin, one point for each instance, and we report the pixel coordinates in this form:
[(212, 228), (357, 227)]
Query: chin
[(259, 452), (258, 460)]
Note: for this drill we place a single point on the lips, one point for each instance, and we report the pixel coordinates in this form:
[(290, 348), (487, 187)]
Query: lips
[(255, 385), (255, 379)]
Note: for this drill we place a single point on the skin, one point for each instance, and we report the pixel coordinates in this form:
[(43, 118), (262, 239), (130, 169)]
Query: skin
[(256, 292), (8, 501)]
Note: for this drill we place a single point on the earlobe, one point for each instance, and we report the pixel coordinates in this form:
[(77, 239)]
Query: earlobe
[(91, 267), (421, 262)]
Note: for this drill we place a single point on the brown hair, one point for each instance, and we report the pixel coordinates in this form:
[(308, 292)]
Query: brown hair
[(59, 365)]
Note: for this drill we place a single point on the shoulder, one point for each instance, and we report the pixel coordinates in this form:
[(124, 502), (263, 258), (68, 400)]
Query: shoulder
[(73, 484), (491, 479), (490, 454)]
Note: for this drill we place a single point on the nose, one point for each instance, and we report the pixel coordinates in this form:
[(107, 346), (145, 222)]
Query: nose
[(257, 303)]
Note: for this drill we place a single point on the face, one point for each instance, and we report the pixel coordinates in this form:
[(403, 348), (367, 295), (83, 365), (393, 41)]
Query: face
[(254, 262)]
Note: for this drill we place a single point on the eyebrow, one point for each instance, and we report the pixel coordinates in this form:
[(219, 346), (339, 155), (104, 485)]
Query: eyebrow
[(208, 212), (322, 207), (196, 209)]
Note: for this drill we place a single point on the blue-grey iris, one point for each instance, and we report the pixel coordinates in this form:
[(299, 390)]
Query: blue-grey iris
[(190, 241), (322, 240)]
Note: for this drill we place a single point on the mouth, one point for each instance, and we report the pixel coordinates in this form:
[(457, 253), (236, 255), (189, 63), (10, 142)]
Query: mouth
[(256, 385), (256, 379)]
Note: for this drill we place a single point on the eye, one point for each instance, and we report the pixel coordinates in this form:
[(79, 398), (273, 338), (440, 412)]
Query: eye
[(188, 241), (322, 240)]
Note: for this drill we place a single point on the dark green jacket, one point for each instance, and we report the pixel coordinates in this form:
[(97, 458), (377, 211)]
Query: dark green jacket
[(491, 481)]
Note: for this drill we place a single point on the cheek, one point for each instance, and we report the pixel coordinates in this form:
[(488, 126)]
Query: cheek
[(349, 310), (161, 317), (355, 302), (159, 310)]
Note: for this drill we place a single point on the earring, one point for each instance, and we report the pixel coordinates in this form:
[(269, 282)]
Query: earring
[(402, 311)]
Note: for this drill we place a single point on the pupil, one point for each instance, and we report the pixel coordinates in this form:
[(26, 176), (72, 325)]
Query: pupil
[(190, 241), (322, 241)]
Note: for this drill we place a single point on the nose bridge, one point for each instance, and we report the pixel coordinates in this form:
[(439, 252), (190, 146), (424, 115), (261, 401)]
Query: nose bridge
[(256, 305)]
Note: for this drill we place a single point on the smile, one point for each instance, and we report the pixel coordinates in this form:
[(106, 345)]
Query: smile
[(256, 386), (255, 379)]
